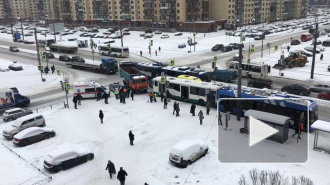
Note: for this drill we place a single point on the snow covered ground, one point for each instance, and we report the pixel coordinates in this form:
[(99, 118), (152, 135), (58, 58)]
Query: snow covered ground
[(156, 131)]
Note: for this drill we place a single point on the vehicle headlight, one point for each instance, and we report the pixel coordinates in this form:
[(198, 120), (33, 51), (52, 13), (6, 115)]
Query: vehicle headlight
[(4, 132)]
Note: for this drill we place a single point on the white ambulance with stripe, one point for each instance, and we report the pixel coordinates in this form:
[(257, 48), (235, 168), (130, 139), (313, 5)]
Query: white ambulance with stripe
[(88, 89)]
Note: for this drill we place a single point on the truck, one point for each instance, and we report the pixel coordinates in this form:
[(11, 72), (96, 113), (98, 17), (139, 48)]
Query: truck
[(134, 79), (107, 66), (16, 36), (11, 98), (63, 48)]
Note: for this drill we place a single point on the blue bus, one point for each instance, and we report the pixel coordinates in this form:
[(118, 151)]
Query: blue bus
[(295, 109), (225, 75)]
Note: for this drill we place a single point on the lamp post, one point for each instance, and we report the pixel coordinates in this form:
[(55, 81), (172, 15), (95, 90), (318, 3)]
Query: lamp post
[(239, 84), (35, 37), (20, 18)]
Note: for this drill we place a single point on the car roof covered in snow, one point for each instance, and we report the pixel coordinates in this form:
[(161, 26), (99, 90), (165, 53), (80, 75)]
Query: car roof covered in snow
[(321, 125), (60, 155), (30, 116), (187, 147), (14, 109), (265, 116), (31, 131)]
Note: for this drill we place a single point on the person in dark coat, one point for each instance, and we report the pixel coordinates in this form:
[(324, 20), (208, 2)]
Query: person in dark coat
[(124, 97), (161, 96), (165, 103), (46, 70), (269, 68), (128, 91), (192, 109), (201, 117), (79, 98), (75, 101), (131, 137), (53, 69), (132, 95), (159, 48), (219, 118), (101, 116), (111, 168), (105, 96), (122, 176), (151, 97), (208, 106), (98, 95), (140, 53), (296, 129), (177, 110), (321, 57), (174, 107), (288, 48)]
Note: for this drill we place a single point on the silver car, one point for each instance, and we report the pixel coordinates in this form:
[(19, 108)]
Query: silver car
[(320, 88)]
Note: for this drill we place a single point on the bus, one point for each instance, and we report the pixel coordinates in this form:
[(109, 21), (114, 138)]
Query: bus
[(188, 90), (251, 70), (295, 109), (114, 51), (188, 77)]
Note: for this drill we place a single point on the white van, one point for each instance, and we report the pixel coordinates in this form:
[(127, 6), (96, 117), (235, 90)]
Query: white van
[(88, 89)]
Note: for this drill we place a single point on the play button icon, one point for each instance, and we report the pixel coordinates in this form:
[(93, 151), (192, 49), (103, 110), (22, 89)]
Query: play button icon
[(259, 131)]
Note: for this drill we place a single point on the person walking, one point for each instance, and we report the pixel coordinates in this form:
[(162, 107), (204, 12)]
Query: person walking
[(132, 95), (151, 96), (75, 101), (53, 69), (156, 52), (122, 176), (168, 95), (159, 48), (208, 106), (161, 96), (177, 110), (155, 96), (105, 96), (288, 48), (128, 92), (201, 117), (296, 129), (79, 98), (111, 168), (165, 103), (174, 107), (192, 109), (123, 97), (219, 118), (117, 94), (131, 137), (46, 70), (140, 53), (321, 57), (101, 116), (98, 95)]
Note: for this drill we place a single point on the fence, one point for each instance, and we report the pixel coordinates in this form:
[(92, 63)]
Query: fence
[(57, 106)]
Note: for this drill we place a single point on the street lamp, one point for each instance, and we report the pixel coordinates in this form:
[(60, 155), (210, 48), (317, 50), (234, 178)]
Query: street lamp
[(20, 18)]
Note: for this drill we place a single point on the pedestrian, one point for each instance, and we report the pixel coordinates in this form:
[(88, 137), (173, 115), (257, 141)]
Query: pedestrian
[(159, 48), (146, 183), (192, 109), (131, 137), (288, 48), (128, 91), (132, 95), (106, 96), (123, 97), (269, 68), (79, 98), (75, 101), (208, 106), (156, 52), (219, 118), (161, 96), (122, 176), (204, 34), (321, 57), (174, 107), (296, 129), (140, 53), (98, 95), (151, 96), (101, 116), (165, 103), (201, 117), (155, 95), (168, 95), (177, 110), (111, 168), (53, 69), (117, 94), (46, 70)]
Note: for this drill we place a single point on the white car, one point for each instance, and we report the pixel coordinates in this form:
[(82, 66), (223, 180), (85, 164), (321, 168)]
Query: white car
[(158, 32), (178, 34), (148, 35), (310, 49), (165, 36), (188, 151)]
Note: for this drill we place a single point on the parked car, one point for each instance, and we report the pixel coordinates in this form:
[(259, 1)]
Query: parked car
[(183, 45), (15, 113), (31, 120), (82, 34), (306, 53), (77, 59), (142, 34), (178, 34), (320, 88), (165, 36), (32, 135), (310, 49), (259, 37), (64, 58), (13, 49), (295, 42), (114, 86), (148, 35), (28, 42), (218, 47), (317, 43), (236, 57), (62, 160), (3, 31), (227, 48), (296, 89), (148, 31), (324, 95), (187, 152), (126, 33), (261, 83), (158, 32)]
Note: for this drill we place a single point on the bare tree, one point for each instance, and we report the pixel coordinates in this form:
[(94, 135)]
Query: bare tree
[(242, 180), (254, 176), (263, 177)]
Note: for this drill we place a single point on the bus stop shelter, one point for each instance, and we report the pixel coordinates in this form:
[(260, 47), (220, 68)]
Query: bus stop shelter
[(279, 122), (321, 136)]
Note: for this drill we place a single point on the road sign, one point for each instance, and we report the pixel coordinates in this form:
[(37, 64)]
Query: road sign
[(58, 72), (259, 131), (172, 63), (162, 80), (248, 61), (242, 39), (252, 50), (268, 45), (215, 58), (151, 43), (68, 86), (276, 48)]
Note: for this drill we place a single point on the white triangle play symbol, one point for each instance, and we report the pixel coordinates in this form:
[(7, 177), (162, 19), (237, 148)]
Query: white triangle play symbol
[(259, 131)]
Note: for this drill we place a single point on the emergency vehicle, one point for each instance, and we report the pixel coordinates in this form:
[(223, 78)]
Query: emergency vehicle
[(88, 89)]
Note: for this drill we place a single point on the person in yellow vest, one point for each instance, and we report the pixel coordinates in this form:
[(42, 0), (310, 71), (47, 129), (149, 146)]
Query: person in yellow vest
[(116, 94), (155, 95)]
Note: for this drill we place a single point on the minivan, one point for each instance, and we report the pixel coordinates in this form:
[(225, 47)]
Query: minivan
[(32, 120)]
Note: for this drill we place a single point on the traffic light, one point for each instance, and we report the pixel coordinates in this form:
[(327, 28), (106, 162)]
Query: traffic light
[(62, 86)]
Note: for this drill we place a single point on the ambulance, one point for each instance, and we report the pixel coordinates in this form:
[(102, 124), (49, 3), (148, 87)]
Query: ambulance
[(88, 89)]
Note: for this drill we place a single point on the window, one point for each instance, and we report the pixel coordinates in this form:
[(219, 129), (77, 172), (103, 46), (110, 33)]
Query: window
[(178, 11), (197, 91), (90, 90), (174, 86), (156, 83), (155, 11), (155, 5), (229, 6), (178, 18), (177, 4)]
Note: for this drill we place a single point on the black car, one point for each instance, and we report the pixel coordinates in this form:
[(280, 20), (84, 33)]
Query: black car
[(227, 48), (261, 83), (13, 49), (259, 37), (148, 31), (236, 45), (295, 42), (32, 135), (218, 47), (64, 58), (317, 43), (77, 59), (81, 35), (49, 54), (296, 89)]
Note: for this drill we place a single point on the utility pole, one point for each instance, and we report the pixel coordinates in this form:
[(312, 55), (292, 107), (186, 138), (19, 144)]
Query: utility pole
[(22, 27), (314, 49), (239, 84), (194, 36), (262, 40), (36, 40), (54, 32), (121, 34)]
